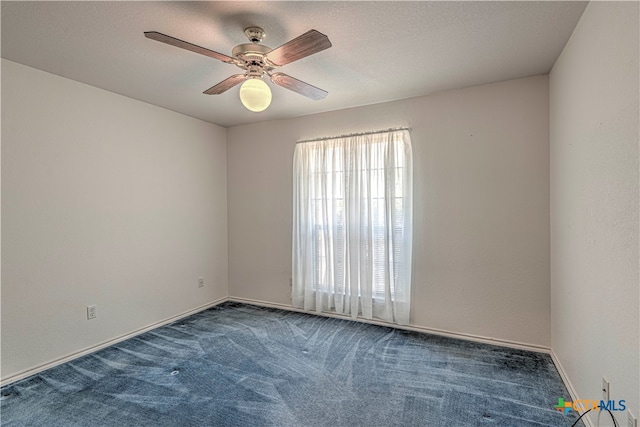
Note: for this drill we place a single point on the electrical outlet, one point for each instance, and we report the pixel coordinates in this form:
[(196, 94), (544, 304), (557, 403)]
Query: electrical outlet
[(605, 389), (200, 282), (92, 312), (631, 420)]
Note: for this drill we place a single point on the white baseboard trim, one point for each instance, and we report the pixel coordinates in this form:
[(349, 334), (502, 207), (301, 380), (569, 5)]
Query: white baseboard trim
[(468, 337), (416, 328), (565, 379), (32, 371)]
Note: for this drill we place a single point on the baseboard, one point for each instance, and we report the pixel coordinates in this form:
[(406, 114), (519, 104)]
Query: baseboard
[(32, 371), (416, 328), (565, 379)]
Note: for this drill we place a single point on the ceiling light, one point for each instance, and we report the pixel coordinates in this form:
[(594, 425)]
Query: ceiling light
[(255, 94)]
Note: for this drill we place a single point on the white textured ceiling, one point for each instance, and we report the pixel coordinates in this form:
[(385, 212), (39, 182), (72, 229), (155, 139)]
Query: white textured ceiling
[(381, 51)]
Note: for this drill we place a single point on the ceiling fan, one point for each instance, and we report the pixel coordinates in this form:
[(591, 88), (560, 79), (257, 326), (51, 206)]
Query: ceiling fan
[(257, 60)]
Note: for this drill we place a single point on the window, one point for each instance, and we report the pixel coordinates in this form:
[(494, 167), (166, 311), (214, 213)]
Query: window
[(352, 225)]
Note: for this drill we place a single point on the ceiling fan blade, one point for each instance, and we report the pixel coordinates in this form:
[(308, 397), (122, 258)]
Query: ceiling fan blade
[(307, 44), (154, 35), (226, 84), (298, 86)]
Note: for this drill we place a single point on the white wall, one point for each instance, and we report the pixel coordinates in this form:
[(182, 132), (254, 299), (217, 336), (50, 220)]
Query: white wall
[(594, 204), (481, 172), (108, 201)]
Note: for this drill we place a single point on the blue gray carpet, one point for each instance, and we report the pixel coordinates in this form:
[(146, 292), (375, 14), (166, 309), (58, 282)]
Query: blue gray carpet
[(242, 365)]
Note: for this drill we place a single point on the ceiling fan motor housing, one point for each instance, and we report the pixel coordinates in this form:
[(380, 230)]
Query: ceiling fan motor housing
[(251, 54)]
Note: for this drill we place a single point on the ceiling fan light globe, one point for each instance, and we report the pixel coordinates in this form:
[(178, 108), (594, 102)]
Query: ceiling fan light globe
[(255, 95)]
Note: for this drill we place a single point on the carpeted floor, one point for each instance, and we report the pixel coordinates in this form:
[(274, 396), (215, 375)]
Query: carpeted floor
[(242, 365)]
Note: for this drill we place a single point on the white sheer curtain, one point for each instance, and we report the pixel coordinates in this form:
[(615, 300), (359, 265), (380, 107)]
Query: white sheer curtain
[(352, 225)]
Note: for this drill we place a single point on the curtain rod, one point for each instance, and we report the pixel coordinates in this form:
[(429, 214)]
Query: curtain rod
[(348, 135)]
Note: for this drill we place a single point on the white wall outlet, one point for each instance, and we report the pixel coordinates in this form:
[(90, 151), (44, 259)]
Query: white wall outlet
[(605, 389), (200, 282), (92, 312), (631, 420)]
